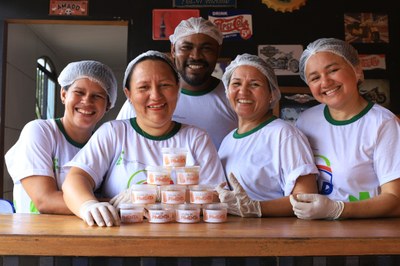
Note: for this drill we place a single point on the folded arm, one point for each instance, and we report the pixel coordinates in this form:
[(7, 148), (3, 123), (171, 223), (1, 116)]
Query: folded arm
[(43, 191)]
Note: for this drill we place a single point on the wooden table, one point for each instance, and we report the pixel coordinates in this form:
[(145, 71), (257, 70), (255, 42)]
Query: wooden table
[(58, 235)]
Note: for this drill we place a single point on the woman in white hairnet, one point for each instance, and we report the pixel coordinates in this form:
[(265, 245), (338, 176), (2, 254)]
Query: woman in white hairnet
[(266, 159), (195, 47), (119, 151), (88, 90), (355, 142)]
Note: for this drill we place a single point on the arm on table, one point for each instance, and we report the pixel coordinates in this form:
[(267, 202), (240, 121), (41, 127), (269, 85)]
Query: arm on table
[(386, 204), (45, 195), (79, 197)]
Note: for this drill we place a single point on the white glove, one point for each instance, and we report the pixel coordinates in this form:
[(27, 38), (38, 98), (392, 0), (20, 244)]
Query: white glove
[(123, 197), (103, 213), (238, 201), (316, 206)]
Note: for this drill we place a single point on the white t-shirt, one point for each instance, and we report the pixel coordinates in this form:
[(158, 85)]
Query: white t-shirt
[(357, 156), (209, 110), (268, 159), (42, 148), (118, 153)]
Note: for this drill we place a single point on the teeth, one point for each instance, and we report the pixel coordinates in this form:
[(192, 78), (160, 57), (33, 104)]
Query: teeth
[(85, 112), (331, 91), (156, 106), (244, 101), (195, 66)]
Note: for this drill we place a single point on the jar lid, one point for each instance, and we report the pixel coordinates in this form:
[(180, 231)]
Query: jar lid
[(126, 206), (173, 150), (131, 206)]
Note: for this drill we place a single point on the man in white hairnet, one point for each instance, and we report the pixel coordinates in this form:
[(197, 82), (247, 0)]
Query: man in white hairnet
[(195, 47)]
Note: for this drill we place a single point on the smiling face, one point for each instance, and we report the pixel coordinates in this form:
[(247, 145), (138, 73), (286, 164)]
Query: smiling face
[(154, 94), (195, 58), (85, 104), (249, 95), (332, 80)]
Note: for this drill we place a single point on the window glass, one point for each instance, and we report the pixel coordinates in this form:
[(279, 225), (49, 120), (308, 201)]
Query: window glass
[(45, 88)]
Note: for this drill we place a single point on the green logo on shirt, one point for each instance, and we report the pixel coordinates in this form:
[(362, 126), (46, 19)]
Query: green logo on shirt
[(363, 196)]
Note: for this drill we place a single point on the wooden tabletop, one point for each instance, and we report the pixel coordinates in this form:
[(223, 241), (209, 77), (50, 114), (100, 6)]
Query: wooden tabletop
[(59, 235)]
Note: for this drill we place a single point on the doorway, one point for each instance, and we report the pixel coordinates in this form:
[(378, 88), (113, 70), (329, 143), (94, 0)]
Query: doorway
[(62, 42)]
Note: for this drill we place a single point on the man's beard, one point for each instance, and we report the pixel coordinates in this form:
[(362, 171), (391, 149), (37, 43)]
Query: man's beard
[(196, 79)]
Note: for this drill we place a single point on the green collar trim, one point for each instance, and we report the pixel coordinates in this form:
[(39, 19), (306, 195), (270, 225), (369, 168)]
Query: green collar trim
[(70, 140), (236, 135), (170, 134), (329, 118), (213, 85)]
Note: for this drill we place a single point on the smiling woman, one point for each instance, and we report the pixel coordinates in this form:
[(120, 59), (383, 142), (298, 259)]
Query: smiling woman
[(261, 181), (88, 89), (130, 145), (60, 41)]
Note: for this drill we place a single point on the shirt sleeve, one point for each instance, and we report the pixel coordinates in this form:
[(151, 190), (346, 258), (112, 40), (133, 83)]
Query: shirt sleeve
[(297, 160), (32, 153), (97, 155), (386, 163)]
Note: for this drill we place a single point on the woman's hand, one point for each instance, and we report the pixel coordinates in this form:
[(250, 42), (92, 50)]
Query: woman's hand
[(238, 201), (101, 213)]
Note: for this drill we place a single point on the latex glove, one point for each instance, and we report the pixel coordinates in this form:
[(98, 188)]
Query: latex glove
[(123, 197), (316, 206), (101, 213), (238, 201)]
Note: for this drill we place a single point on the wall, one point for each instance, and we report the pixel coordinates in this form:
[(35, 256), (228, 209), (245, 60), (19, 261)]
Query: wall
[(24, 47), (314, 20)]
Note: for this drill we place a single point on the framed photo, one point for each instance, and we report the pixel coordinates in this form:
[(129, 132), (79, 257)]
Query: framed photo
[(372, 61), (294, 100), (165, 21), (366, 28), (219, 69), (377, 91), (284, 59)]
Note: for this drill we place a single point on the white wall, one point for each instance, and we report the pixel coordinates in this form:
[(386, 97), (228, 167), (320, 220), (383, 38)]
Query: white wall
[(23, 49)]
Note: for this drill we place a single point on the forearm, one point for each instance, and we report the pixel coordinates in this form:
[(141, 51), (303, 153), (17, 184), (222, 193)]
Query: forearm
[(77, 189), (45, 195), (384, 205), (52, 204), (277, 207)]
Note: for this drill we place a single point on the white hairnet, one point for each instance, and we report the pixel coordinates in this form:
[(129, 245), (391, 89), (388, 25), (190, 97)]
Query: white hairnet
[(196, 25), (262, 66), (144, 56), (94, 71), (336, 46)]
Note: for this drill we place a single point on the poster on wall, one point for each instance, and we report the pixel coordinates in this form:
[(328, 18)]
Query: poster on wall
[(366, 28), (165, 21), (377, 91), (372, 61), (294, 101), (234, 24), (220, 67), (68, 8), (284, 59), (204, 3)]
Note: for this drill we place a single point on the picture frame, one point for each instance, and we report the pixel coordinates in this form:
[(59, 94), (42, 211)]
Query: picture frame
[(284, 59), (294, 100), (220, 67), (165, 21), (376, 91), (366, 28)]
